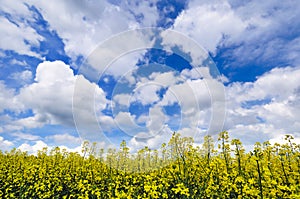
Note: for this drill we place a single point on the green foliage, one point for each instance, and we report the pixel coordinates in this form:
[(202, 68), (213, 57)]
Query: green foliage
[(177, 170)]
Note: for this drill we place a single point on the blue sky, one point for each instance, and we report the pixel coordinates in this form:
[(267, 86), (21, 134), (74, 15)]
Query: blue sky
[(113, 70)]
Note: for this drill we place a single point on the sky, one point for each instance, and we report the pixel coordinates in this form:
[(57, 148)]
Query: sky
[(108, 71)]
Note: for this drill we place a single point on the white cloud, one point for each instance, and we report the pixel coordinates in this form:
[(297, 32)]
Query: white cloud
[(196, 73), (17, 36), (14, 7), (146, 93), (51, 96), (279, 83), (271, 32), (36, 121), (5, 144), (124, 64), (201, 101), (164, 79), (122, 99), (23, 77), (145, 11), (274, 110), (214, 21), (106, 123), (280, 139), (83, 25), (125, 121), (18, 62), (5, 94), (157, 120), (40, 145), (191, 95), (64, 139), (111, 56), (25, 136), (33, 149), (78, 23), (153, 141), (264, 30), (186, 43)]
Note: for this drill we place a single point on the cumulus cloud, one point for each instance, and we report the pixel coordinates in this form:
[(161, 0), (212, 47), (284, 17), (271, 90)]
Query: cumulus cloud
[(146, 94), (40, 145), (50, 97), (122, 99), (33, 149), (143, 139), (157, 120), (126, 122), (268, 107), (164, 79), (214, 22)]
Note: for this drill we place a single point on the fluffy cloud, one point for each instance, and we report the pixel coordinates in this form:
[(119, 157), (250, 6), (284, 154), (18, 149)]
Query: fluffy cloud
[(164, 79), (264, 30), (125, 122), (33, 149), (82, 25), (122, 99), (5, 144), (196, 93), (187, 45), (123, 65), (143, 139), (50, 97), (40, 145), (8, 93), (64, 139), (16, 34), (146, 94), (266, 108), (157, 120), (280, 139), (214, 22), (192, 96), (271, 33), (109, 57)]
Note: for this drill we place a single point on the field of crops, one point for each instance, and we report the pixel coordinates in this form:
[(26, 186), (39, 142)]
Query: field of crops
[(176, 170)]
